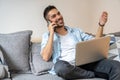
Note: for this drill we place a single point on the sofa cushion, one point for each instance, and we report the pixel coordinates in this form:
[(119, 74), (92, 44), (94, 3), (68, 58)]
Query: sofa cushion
[(15, 47), (6, 79), (4, 71), (33, 77), (38, 65), (42, 77)]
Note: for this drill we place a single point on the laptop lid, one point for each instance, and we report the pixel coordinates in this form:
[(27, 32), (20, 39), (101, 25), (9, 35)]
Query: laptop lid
[(92, 50)]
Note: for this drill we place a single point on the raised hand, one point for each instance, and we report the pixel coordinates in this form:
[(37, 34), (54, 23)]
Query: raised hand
[(103, 19)]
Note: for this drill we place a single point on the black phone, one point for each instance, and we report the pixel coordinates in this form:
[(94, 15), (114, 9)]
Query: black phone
[(49, 24)]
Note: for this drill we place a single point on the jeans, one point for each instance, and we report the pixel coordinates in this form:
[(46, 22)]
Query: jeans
[(107, 69)]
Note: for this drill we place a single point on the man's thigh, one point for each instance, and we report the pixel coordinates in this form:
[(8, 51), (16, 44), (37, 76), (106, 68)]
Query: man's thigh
[(103, 66), (106, 65), (90, 66)]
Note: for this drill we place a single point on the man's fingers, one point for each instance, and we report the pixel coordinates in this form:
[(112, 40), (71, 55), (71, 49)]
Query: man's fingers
[(103, 18), (104, 14)]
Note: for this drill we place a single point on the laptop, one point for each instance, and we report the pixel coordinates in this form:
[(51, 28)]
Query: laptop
[(92, 50)]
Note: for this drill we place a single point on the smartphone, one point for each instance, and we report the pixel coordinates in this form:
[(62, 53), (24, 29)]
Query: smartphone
[(49, 23)]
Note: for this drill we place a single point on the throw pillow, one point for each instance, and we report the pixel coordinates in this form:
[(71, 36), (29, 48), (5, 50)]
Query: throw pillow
[(4, 72), (15, 47), (38, 65)]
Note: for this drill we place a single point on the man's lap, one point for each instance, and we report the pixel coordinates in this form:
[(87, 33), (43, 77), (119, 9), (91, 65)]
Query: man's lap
[(101, 69), (103, 66)]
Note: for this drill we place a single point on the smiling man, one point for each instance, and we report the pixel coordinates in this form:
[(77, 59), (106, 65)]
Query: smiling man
[(59, 44)]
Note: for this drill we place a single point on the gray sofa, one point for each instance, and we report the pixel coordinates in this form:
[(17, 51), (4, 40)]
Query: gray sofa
[(21, 59)]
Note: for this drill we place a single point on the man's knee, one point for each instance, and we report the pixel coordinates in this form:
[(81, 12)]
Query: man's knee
[(62, 67), (115, 70), (107, 66), (116, 67)]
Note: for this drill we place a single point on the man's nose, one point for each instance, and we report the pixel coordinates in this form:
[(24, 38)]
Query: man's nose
[(58, 16)]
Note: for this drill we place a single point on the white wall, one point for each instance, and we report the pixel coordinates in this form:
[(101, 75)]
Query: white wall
[(113, 9), (17, 15)]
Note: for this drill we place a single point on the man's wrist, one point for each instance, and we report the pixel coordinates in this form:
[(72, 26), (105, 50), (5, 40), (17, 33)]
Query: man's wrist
[(101, 25)]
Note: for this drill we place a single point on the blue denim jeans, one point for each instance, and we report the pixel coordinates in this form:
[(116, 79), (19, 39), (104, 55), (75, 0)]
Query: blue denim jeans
[(107, 69)]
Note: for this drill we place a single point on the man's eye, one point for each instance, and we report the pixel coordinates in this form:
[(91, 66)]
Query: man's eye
[(58, 13), (53, 16)]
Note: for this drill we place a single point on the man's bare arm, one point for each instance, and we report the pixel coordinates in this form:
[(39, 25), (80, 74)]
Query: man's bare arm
[(102, 22), (47, 50)]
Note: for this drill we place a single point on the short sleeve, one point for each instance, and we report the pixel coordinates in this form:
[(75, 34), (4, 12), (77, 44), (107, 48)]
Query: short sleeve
[(44, 40), (85, 36)]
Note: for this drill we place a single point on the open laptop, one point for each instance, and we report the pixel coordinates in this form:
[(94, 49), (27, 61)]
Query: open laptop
[(92, 50)]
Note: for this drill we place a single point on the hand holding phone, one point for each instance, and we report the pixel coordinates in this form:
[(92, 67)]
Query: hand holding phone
[(52, 26)]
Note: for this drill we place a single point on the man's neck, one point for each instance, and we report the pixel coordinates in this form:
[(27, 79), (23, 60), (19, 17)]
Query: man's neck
[(61, 31)]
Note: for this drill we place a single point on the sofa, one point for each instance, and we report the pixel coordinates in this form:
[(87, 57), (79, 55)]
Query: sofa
[(20, 57)]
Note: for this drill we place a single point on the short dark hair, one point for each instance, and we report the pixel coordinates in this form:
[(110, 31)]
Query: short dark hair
[(46, 10)]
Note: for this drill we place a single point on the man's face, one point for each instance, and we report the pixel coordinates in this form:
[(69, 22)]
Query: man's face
[(55, 16)]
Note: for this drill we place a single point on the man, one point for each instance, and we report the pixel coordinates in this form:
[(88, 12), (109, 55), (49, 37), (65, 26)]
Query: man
[(59, 43)]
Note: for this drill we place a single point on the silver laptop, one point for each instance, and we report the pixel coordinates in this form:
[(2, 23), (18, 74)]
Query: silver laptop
[(92, 50)]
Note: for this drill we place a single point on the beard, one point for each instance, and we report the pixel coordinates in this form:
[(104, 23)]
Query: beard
[(60, 23)]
